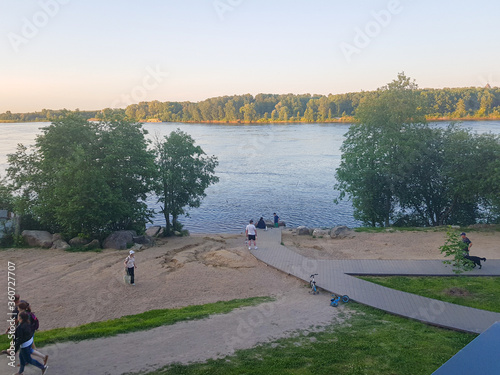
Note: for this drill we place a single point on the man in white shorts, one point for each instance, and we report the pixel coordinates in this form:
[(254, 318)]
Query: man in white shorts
[(251, 233)]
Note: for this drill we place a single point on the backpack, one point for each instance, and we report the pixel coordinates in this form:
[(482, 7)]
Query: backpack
[(34, 322)]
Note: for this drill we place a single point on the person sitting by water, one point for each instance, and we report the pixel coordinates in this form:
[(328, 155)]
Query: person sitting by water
[(261, 224)]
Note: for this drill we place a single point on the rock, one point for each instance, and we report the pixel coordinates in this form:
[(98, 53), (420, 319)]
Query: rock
[(137, 247), (119, 240), (302, 231), (78, 242), (60, 244), (320, 233), (92, 245), (38, 238), (341, 232), (144, 240), (153, 231)]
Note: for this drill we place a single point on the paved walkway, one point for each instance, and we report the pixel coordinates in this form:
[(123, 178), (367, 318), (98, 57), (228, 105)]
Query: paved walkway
[(335, 276)]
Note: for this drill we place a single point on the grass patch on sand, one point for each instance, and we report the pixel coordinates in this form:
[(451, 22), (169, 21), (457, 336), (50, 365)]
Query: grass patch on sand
[(399, 229), (370, 342), (139, 322), (479, 292)]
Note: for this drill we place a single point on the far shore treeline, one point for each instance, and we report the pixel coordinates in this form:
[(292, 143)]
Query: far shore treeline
[(470, 103)]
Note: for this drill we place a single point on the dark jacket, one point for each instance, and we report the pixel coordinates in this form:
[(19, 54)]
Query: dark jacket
[(23, 333), (261, 224)]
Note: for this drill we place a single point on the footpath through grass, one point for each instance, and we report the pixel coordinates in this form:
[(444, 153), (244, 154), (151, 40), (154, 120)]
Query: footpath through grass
[(370, 342), (479, 292), (140, 322)]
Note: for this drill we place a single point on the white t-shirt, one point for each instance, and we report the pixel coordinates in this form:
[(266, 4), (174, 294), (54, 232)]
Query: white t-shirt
[(251, 229), (130, 261)]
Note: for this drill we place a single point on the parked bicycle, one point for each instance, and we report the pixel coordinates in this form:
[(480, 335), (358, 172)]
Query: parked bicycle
[(312, 284), (336, 299)]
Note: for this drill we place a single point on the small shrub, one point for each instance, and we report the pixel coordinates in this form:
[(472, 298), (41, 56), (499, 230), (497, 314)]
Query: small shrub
[(453, 248)]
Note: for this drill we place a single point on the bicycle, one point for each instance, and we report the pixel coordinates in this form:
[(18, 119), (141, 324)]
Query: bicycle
[(312, 284), (336, 299)]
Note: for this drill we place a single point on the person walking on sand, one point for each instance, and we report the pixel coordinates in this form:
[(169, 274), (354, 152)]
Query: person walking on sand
[(23, 342), (251, 232), (131, 266)]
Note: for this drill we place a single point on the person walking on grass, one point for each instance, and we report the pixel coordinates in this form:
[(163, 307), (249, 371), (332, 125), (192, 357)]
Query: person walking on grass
[(131, 266), (23, 342), (251, 232)]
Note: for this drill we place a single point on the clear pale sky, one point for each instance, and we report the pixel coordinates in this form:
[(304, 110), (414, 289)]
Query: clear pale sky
[(91, 54)]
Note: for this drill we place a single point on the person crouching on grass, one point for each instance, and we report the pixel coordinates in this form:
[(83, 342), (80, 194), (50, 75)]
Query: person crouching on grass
[(251, 232), (24, 340), (130, 265)]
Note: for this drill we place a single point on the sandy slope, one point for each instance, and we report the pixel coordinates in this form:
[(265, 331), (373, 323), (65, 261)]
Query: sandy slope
[(68, 289)]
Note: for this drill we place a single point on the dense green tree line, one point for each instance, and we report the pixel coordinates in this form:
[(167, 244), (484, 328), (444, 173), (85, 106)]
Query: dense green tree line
[(89, 178), (472, 102), (397, 169)]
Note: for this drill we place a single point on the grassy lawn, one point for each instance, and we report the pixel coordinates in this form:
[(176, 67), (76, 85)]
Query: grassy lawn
[(479, 292), (371, 342), (139, 322)]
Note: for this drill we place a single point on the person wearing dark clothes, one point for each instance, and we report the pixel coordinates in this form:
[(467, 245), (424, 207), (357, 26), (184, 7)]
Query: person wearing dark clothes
[(467, 244), (261, 224), (276, 220), (23, 341)]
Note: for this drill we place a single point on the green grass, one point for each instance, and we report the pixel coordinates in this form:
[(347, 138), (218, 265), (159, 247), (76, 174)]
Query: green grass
[(479, 292), (371, 342), (400, 229), (487, 229), (139, 322)]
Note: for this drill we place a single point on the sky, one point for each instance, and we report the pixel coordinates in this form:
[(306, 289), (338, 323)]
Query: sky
[(91, 54)]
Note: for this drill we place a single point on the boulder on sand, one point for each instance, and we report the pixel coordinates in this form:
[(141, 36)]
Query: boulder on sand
[(303, 231), (341, 232), (119, 240), (38, 238)]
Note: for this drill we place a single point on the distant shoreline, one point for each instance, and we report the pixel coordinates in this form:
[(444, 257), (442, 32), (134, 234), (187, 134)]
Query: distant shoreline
[(346, 120)]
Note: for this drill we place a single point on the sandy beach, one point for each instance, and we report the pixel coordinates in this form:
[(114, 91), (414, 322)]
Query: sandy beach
[(73, 288)]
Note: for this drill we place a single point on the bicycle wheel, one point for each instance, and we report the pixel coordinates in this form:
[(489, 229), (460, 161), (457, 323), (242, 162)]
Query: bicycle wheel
[(334, 303), (345, 298)]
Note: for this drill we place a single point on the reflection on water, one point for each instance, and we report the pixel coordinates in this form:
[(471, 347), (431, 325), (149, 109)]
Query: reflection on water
[(287, 169)]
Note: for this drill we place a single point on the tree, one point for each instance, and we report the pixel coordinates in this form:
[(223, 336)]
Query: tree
[(86, 178), (377, 150), (184, 173), (398, 169)]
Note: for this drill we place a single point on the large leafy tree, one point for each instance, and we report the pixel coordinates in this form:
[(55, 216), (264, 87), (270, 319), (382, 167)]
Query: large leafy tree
[(185, 171), (397, 169), (83, 177), (379, 149)]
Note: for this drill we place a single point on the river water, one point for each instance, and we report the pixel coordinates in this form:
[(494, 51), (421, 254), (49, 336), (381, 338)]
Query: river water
[(284, 168)]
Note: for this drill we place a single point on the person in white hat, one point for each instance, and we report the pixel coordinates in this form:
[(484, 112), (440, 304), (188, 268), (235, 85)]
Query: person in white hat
[(130, 265)]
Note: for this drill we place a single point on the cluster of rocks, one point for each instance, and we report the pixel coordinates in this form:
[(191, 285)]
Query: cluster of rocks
[(119, 240), (340, 231)]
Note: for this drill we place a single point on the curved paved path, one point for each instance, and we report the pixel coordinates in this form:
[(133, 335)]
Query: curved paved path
[(335, 276)]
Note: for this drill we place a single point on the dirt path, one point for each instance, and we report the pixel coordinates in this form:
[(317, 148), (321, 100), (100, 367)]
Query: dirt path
[(214, 337)]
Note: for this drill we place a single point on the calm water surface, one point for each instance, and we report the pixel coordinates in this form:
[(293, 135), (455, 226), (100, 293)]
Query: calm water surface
[(287, 169)]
